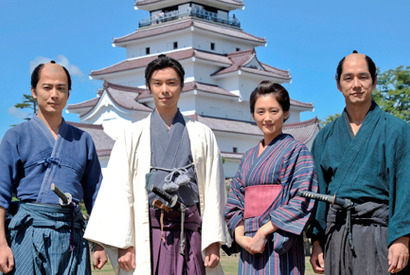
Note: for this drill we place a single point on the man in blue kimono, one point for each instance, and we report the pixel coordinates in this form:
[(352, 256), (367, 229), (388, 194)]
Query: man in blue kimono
[(364, 156), (37, 234)]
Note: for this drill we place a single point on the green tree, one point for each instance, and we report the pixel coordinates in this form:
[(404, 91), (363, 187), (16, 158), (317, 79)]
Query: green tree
[(392, 92), (328, 119), (29, 102)]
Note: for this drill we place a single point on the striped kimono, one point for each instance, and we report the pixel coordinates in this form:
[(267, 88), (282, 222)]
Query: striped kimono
[(286, 162)]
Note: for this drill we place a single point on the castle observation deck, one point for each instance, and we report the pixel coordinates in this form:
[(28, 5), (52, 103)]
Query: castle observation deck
[(188, 10)]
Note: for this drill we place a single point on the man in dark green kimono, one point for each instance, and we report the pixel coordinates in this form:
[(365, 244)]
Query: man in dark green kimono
[(364, 156)]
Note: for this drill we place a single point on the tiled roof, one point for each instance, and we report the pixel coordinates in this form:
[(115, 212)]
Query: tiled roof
[(240, 61), (194, 85), (142, 62), (85, 104), (185, 24), (126, 97), (102, 141), (301, 104), (123, 96), (229, 63), (301, 131), (228, 125)]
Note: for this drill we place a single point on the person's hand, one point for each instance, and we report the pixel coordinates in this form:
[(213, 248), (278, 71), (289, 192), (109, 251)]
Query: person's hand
[(257, 243), (126, 258), (212, 255), (244, 242), (6, 259), (240, 238), (99, 257), (398, 255), (316, 259)]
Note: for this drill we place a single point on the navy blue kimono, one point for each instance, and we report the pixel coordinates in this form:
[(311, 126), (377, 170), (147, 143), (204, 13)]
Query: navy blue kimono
[(31, 159)]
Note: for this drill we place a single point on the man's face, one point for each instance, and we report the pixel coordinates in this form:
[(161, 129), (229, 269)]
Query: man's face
[(356, 83), (165, 87), (51, 91)]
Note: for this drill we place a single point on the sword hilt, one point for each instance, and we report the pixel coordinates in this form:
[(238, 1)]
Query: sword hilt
[(171, 200), (65, 198), (326, 198)]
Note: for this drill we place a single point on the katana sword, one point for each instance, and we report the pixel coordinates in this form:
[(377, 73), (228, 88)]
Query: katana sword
[(346, 204), (66, 199)]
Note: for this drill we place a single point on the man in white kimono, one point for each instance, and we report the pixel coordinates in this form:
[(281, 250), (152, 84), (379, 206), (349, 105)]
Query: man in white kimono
[(178, 155)]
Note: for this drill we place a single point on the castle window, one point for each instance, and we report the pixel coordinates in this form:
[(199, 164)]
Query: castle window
[(175, 45), (212, 46), (235, 149), (147, 50)]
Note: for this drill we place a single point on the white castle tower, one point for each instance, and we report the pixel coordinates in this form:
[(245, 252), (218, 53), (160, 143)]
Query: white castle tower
[(221, 70)]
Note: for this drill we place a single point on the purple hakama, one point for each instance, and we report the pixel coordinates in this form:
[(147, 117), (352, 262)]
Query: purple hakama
[(165, 245)]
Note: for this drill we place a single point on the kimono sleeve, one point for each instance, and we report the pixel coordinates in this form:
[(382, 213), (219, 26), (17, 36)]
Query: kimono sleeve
[(235, 205), (111, 221), (92, 177), (399, 207), (298, 174), (10, 166), (317, 229), (213, 223)]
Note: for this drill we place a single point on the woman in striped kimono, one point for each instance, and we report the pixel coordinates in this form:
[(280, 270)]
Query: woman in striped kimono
[(265, 215)]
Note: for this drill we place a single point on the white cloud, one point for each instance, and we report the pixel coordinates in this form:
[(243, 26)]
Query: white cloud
[(60, 59), (17, 113), (73, 69)]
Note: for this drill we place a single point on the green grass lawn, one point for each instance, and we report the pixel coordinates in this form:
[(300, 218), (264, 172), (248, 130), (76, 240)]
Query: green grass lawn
[(229, 265)]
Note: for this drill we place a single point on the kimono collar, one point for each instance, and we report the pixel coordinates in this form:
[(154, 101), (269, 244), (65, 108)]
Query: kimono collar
[(46, 131)]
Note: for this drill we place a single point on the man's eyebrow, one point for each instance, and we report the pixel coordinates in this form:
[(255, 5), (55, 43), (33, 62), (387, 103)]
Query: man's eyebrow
[(59, 84), (168, 79)]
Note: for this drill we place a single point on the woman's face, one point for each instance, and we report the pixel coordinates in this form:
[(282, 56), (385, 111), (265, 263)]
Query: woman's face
[(269, 116)]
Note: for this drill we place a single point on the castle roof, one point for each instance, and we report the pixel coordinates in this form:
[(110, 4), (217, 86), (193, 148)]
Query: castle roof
[(302, 131), (184, 24), (123, 96), (103, 142), (229, 63), (131, 98)]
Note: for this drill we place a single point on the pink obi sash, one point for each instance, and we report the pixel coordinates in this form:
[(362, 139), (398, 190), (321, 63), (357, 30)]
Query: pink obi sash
[(259, 198)]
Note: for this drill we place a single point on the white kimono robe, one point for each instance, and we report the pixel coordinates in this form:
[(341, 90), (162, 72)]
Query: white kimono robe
[(120, 217)]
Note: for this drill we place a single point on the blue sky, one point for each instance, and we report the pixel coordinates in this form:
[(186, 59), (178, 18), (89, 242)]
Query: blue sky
[(306, 37)]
